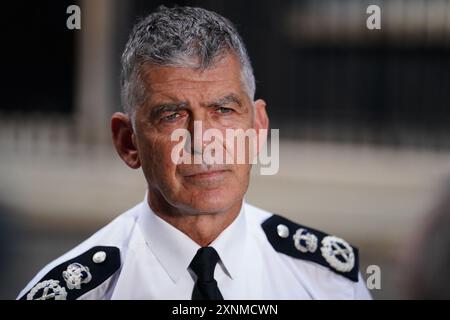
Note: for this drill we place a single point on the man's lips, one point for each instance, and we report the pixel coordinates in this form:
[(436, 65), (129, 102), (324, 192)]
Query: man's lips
[(206, 174), (202, 170)]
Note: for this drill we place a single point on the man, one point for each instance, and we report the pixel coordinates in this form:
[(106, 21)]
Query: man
[(193, 236)]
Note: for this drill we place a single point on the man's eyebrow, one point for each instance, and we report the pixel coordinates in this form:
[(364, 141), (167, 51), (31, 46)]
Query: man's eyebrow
[(168, 107), (229, 98)]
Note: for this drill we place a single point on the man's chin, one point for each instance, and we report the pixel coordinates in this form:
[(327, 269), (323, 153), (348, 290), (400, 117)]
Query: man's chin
[(209, 207), (208, 204)]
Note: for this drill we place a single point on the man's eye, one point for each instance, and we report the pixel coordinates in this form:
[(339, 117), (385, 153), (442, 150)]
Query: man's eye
[(224, 110), (171, 117)]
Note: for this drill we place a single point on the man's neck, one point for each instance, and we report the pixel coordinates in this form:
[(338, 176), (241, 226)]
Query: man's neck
[(202, 228)]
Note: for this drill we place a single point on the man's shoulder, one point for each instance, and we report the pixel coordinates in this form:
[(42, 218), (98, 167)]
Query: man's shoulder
[(97, 259), (304, 243)]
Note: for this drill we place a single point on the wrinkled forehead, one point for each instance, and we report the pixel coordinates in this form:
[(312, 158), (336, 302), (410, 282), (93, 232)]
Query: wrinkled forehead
[(224, 75)]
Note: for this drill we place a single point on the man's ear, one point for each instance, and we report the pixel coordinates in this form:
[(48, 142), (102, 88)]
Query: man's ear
[(261, 122), (124, 139)]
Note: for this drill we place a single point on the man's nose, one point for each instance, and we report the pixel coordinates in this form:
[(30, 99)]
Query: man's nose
[(197, 126)]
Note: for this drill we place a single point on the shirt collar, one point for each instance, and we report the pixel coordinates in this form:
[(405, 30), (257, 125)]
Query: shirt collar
[(230, 244), (175, 250)]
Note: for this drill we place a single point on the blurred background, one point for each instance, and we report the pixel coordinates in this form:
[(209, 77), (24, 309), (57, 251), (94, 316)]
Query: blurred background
[(363, 118)]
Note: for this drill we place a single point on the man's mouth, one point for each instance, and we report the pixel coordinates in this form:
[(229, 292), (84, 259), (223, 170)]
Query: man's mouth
[(207, 174), (203, 171)]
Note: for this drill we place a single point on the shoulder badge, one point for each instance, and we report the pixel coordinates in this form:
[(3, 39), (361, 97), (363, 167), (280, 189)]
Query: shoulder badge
[(309, 244), (75, 277)]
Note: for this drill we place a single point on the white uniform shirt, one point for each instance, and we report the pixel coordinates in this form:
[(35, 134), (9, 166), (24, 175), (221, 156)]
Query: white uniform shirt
[(155, 257)]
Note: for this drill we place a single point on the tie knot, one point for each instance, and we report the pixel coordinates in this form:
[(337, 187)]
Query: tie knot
[(204, 263)]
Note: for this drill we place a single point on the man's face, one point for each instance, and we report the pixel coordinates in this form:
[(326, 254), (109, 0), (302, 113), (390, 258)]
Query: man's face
[(177, 98)]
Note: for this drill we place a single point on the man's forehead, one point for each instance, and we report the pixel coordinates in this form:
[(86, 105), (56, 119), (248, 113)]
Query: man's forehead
[(224, 72)]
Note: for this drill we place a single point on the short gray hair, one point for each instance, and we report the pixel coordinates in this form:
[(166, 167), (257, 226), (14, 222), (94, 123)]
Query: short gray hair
[(180, 37)]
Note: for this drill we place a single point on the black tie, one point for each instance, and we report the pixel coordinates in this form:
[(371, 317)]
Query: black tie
[(203, 265)]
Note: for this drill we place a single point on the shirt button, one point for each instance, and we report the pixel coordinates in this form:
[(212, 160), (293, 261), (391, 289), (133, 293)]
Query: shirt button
[(99, 257)]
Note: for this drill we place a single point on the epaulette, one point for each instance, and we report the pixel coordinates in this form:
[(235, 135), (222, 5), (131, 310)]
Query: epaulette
[(77, 276), (309, 244)]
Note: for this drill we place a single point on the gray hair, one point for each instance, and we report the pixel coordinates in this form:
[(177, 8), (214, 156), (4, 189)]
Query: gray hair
[(180, 37)]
